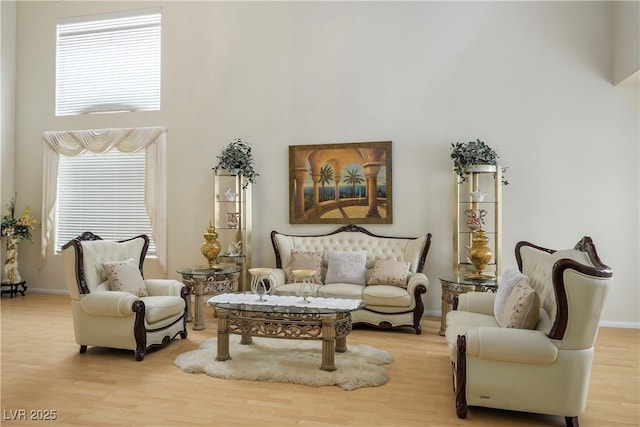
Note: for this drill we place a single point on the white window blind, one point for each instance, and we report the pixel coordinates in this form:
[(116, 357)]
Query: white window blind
[(108, 63), (103, 193)]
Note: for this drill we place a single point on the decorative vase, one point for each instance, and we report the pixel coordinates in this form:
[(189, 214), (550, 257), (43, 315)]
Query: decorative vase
[(233, 218), (480, 254), (210, 248), (11, 273), (478, 195), (475, 218), (230, 195), (260, 284)]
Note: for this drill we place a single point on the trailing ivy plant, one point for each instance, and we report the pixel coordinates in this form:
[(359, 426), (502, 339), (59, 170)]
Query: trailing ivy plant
[(472, 153), (236, 156)]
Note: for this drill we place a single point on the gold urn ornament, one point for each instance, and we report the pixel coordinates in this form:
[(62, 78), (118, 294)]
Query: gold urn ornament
[(479, 253), (210, 248)]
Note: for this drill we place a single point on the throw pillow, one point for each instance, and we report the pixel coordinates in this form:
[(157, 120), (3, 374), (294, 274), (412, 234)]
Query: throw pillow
[(388, 271), (347, 267), (125, 276), (522, 308), (306, 260), (509, 279)]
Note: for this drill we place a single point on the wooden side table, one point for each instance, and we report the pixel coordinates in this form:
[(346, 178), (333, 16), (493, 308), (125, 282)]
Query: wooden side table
[(14, 288), (452, 286)]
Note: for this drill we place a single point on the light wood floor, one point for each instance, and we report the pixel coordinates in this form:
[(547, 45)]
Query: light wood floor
[(42, 370)]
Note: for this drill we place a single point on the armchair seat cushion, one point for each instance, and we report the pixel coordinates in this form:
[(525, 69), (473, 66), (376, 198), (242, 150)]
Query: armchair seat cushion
[(386, 295), (162, 307)]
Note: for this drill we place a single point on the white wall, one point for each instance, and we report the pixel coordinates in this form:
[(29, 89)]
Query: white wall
[(532, 79), (626, 41), (7, 100)]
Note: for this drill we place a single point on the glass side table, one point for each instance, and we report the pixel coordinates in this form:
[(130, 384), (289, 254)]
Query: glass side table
[(454, 285), (206, 281)]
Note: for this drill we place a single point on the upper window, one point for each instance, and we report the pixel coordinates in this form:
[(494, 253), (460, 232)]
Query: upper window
[(108, 63)]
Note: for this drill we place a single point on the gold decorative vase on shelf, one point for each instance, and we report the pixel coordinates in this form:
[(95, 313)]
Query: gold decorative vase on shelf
[(210, 248), (480, 254)]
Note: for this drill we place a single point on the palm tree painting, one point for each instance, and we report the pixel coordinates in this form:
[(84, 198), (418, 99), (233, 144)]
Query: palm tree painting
[(326, 176), (353, 178), (340, 183)]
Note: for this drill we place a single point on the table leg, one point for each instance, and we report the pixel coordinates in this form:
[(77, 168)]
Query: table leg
[(198, 309), (187, 280), (223, 335), (328, 342), (341, 342), (443, 315)]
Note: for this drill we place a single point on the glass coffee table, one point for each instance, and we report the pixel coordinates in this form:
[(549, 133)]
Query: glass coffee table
[(326, 319)]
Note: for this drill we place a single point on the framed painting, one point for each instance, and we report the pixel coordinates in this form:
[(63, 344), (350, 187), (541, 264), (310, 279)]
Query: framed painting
[(340, 183)]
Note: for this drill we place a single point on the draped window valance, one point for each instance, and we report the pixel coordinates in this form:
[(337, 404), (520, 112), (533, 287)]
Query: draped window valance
[(128, 140)]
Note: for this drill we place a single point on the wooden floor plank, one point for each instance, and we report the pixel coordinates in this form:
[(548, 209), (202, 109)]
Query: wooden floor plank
[(42, 370)]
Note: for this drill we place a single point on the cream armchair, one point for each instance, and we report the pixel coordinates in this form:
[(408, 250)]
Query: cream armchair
[(542, 370), (119, 319)]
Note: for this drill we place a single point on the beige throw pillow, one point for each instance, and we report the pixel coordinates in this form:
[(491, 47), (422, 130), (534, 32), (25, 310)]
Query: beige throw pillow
[(388, 271), (125, 276), (509, 279), (522, 308), (306, 260), (347, 267)]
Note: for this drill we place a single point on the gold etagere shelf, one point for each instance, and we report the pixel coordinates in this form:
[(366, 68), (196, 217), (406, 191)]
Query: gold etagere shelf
[(477, 213), (232, 220)]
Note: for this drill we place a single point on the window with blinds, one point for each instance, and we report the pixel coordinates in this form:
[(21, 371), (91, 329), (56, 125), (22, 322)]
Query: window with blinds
[(103, 193), (108, 63)]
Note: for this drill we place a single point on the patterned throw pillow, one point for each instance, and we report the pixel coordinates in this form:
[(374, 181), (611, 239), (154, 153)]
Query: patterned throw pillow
[(125, 276), (388, 271), (509, 279), (347, 267), (306, 260), (522, 308)]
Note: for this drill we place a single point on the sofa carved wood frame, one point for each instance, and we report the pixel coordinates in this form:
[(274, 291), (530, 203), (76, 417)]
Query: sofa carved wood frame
[(418, 310), (139, 330), (558, 329)]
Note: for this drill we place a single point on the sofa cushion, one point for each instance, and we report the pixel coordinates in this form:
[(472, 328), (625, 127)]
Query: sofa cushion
[(305, 260), (521, 309), (387, 271), (386, 296), (125, 276), (289, 289), (340, 290), (509, 279), (347, 267)]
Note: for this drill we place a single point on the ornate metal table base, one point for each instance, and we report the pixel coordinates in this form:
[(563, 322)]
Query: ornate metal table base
[(454, 286), (201, 284), (332, 329)]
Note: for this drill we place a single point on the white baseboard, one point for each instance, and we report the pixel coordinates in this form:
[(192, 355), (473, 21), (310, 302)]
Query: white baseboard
[(47, 291), (427, 313), (615, 324)]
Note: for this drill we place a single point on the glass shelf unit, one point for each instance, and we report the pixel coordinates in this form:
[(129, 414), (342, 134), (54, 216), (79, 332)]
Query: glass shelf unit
[(480, 195), (232, 220)]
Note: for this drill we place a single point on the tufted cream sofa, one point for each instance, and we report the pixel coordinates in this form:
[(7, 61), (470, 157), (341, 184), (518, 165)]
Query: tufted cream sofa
[(387, 306), (544, 370)]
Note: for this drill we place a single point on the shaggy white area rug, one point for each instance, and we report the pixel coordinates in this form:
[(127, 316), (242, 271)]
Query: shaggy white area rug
[(289, 361)]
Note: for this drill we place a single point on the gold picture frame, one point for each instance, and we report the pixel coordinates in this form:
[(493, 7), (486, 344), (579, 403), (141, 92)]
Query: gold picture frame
[(343, 183)]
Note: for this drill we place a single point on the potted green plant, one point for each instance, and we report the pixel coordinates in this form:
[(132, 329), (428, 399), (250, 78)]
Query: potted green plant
[(238, 159), (466, 155)]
